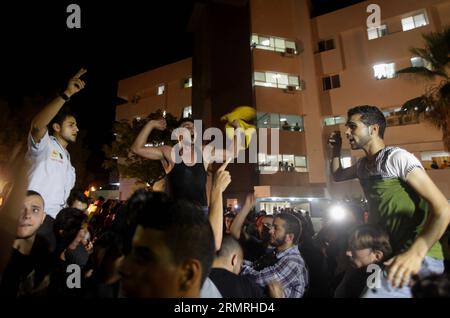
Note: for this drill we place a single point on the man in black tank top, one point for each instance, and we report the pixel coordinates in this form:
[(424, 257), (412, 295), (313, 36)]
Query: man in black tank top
[(187, 180)]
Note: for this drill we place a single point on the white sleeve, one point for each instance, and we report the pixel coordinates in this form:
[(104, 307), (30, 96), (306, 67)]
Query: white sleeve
[(401, 163), (36, 148)]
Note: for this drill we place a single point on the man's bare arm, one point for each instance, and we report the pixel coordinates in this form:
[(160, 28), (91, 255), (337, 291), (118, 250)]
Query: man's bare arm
[(337, 171), (221, 181), (45, 116), (409, 262), (139, 148), (239, 220)]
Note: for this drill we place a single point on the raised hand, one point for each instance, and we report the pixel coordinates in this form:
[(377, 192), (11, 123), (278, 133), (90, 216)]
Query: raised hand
[(75, 83), (222, 177), (159, 124)]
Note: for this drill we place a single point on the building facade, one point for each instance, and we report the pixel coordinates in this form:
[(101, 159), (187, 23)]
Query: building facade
[(304, 73)]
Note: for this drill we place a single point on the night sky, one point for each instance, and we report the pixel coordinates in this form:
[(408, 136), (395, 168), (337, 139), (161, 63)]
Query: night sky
[(116, 40)]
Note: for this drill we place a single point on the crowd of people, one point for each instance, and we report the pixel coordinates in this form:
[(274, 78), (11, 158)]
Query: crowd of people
[(180, 245)]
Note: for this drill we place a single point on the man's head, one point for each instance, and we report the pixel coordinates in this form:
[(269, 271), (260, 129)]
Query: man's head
[(263, 226), (230, 255), (64, 126), (364, 123), (172, 251), (69, 227), (285, 232), (188, 123), (368, 244), (78, 200), (32, 216), (228, 219)]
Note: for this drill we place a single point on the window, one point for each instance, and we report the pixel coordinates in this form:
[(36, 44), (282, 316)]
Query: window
[(187, 111), (378, 32), (420, 62), (279, 80), (346, 162), (273, 44), (280, 121), (326, 45), (383, 71), (413, 22), (331, 82), (161, 89), (333, 120), (188, 82), (283, 163)]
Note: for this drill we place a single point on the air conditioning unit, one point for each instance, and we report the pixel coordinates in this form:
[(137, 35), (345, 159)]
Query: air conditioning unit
[(290, 51), (290, 89)]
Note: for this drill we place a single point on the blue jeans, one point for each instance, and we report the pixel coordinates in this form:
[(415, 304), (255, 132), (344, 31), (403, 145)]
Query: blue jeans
[(429, 266)]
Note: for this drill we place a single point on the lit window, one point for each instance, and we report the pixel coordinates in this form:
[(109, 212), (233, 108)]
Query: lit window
[(413, 22), (273, 44), (161, 89), (346, 162), (383, 71), (187, 111), (188, 82), (378, 32), (333, 120), (279, 80)]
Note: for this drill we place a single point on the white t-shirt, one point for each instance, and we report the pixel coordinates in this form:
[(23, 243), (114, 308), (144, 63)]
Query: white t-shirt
[(51, 174)]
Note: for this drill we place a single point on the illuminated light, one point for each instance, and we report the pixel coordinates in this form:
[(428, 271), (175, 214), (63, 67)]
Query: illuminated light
[(265, 42), (283, 119), (310, 199), (100, 188), (148, 184), (138, 118), (93, 189), (236, 206), (115, 157), (164, 114), (337, 213)]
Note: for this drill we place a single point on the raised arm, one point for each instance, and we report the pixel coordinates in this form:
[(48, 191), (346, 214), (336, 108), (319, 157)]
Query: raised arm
[(153, 153), (45, 116), (221, 181), (337, 171), (238, 222), (409, 262)]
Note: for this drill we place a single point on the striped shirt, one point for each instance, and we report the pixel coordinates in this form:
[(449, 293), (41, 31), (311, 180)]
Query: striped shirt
[(290, 270)]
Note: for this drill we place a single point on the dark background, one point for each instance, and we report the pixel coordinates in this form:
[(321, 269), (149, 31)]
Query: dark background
[(116, 40)]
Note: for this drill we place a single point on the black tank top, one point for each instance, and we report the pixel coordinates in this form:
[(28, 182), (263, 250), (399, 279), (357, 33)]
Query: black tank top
[(189, 183)]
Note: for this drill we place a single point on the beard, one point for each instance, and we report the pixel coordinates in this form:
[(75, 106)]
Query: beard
[(277, 242)]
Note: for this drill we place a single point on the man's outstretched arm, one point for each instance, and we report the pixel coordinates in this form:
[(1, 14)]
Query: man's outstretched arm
[(409, 262), (45, 116)]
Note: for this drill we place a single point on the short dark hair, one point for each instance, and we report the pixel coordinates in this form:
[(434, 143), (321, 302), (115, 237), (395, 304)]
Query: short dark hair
[(77, 195), (60, 117), (69, 221), (32, 192), (293, 225), (185, 119), (229, 246), (370, 115), (187, 232), (370, 236)]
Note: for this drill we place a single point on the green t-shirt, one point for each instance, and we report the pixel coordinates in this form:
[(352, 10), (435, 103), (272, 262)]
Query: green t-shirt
[(393, 204)]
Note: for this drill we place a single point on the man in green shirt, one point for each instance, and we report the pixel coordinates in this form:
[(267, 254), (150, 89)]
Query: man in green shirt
[(402, 199)]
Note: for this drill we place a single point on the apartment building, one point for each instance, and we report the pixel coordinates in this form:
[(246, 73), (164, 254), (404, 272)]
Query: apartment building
[(302, 74)]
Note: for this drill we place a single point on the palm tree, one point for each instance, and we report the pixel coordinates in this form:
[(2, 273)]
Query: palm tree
[(435, 102)]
